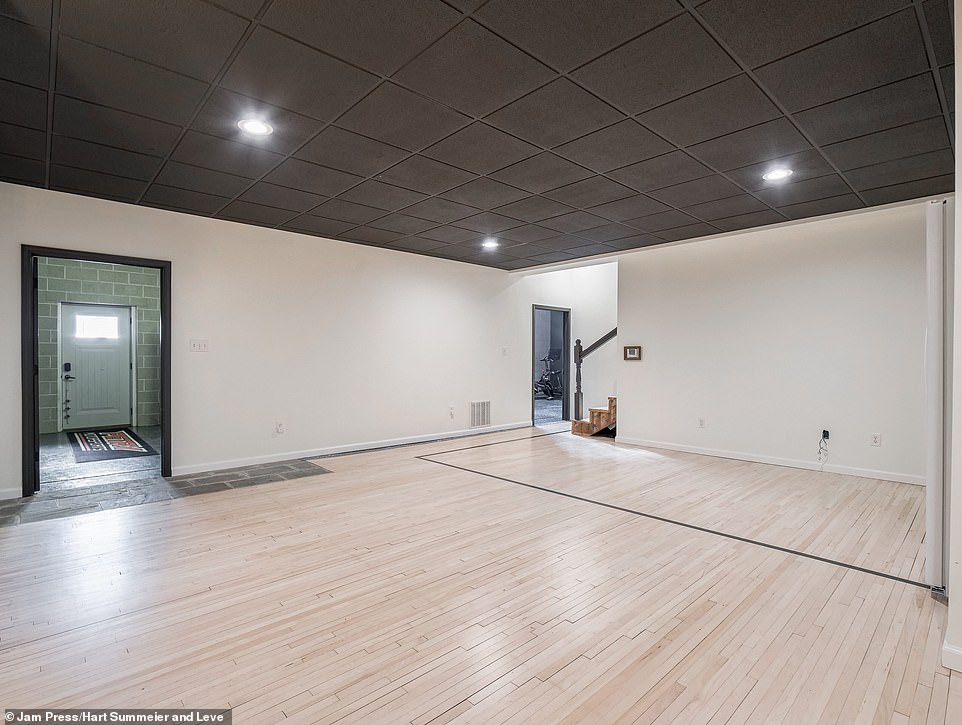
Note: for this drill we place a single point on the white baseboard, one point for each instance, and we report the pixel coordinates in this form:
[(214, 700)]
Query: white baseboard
[(6, 493), (951, 656), (776, 461), (349, 448)]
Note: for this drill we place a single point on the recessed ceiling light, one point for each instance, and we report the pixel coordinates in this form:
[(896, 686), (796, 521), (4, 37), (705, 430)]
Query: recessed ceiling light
[(255, 127), (490, 243), (777, 175)]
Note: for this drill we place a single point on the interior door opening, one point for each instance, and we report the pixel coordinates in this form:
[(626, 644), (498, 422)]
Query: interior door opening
[(550, 345), (96, 369)]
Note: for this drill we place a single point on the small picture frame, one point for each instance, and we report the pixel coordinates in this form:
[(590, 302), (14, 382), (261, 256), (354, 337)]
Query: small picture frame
[(632, 352)]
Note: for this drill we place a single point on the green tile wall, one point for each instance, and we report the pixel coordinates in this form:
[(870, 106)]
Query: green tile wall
[(68, 280)]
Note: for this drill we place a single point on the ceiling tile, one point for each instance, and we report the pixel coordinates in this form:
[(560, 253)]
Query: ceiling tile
[(110, 79), (735, 104), (23, 105), (629, 208), (426, 175), (416, 244), (822, 206), (678, 58), (317, 225), (281, 197), (244, 211), (481, 149), (222, 111), (608, 232), (440, 210), (688, 232), (574, 222), (455, 251), (551, 257), (312, 84), (93, 183), (934, 186), (221, 155), (561, 242), (401, 118), (636, 242), (297, 174), (370, 235), (590, 192), (187, 36), (698, 191), (512, 264), (488, 222), (727, 207), (613, 147), (95, 157), (244, 8), (804, 165), (20, 170), (380, 35), (24, 52), (760, 31), (528, 233), (340, 149), (939, 20), (485, 193), (347, 211), (533, 209), (206, 181), (894, 143), (22, 141), (449, 234), (947, 76), (665, 170), (752, 145), (402, 223), (114, 128), (899, 171), (574, 32), (795, 192), (884, 51), (173, 198), (449, 71), (34, 12), (893, 105), (747, 221), (590, 250), (542, 172), (382, 196), (663, 220), (558, 112)]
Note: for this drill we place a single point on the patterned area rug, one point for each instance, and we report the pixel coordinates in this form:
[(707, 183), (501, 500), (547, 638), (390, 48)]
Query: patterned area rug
[(105, 445)]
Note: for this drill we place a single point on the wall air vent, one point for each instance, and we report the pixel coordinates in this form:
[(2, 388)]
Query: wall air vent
[(480, 413)]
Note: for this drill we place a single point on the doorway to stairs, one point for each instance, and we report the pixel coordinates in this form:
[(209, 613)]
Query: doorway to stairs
[(550, 345)]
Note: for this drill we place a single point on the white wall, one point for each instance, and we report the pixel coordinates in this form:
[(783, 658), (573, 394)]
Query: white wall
[(773, 335), (346, 345)]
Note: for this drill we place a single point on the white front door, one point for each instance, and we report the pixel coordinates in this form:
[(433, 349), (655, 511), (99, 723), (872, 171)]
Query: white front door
[(95, 365)]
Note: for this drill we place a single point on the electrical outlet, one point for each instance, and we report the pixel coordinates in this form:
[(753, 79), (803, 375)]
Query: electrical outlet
[(875, 439), (279, 428), (701, 422), (451, 411)]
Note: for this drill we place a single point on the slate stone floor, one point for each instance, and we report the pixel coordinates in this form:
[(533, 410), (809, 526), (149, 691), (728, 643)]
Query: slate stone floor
[(59, 469), (547, 411), (115, 487)]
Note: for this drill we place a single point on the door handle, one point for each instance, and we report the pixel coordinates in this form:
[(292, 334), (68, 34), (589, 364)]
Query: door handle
[(69, 377)]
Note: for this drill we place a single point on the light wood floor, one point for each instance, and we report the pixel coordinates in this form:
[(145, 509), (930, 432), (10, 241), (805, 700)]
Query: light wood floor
[(397, 590)]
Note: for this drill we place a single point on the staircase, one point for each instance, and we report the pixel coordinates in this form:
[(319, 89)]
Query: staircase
[(599, 419)]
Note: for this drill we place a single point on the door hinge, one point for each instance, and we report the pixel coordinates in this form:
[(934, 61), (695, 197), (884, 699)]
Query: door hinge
[(131, 366)]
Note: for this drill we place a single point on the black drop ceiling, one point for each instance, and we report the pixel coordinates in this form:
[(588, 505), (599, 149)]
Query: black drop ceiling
[(565, 129)]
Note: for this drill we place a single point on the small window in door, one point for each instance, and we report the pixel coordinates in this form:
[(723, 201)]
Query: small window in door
[(90, 327)]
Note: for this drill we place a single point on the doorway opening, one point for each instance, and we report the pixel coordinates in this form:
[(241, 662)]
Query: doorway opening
[(550, 343), (96, 369)]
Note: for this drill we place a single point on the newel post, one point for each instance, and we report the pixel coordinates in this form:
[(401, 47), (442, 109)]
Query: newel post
[(579, 398)]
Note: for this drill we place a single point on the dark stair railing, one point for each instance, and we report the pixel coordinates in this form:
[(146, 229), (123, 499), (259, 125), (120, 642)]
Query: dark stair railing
[(580, 355)]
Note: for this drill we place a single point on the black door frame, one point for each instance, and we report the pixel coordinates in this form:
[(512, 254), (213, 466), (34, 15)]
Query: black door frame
[(565, 360), (30, 362)]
